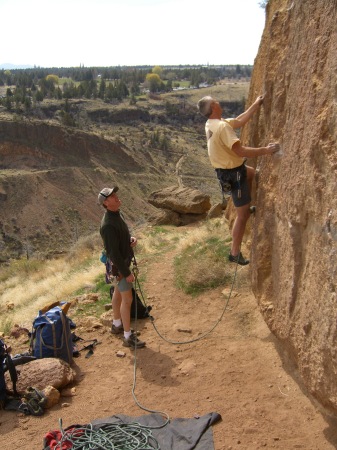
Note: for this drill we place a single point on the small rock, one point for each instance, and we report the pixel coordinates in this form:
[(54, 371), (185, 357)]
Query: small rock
[(226, 292), (69, 392), (120, 354), (52, 395)]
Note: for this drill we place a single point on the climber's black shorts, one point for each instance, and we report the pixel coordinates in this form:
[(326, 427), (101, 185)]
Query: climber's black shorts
[(234, 182)]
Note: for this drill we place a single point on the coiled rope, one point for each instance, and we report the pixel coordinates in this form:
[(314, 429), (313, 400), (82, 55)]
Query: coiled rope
[(117, 436)]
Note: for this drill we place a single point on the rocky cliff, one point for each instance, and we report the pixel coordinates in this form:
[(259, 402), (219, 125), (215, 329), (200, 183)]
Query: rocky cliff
[(294, 233)]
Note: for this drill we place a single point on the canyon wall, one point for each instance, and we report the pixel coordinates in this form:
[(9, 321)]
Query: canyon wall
[(294, 232)]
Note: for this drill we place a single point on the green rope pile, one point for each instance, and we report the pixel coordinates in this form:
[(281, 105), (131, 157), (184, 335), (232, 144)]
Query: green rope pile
[(125, 436)]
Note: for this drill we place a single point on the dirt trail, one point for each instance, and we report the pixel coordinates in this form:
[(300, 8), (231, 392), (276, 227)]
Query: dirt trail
[(235, 371)]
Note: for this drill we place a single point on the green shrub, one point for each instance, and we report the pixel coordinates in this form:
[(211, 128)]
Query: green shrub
[(202, 266)]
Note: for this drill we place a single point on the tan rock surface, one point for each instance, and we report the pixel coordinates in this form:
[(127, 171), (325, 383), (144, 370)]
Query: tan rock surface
[(294, 232)]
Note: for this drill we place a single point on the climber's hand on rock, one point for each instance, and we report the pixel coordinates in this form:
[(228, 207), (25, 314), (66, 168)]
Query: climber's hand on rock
[(259, 100), (273, 147)]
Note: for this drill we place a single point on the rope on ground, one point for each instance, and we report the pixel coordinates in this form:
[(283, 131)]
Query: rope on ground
[(137, 285), (204, 334), (117, 436), (164, 414)]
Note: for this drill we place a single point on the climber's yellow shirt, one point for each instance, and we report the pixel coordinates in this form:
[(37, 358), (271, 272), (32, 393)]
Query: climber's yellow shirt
[(220, 139)]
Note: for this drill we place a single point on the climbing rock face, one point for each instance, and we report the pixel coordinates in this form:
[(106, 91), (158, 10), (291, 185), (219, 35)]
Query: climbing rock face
[(294, 232)]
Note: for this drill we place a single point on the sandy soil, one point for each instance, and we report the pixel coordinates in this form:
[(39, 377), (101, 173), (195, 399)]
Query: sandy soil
[(236, 371)]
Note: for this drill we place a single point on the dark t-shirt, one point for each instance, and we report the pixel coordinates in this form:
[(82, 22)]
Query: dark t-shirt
[(116, 239)]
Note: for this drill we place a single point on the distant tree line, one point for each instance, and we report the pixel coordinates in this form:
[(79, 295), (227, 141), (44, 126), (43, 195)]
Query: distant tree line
[(29, 87)]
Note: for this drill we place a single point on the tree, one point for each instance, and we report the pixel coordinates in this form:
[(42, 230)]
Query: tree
[(8, 103), (58, 93), (39, 96), (168, 86), (153, 81), (157, 70), (53, 78), (102, 87), (28, 103)]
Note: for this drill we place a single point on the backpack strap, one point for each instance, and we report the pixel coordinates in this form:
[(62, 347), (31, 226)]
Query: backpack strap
[(7, 364), (12, 372)]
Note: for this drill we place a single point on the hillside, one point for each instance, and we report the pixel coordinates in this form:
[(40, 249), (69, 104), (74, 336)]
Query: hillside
[(50, 174)]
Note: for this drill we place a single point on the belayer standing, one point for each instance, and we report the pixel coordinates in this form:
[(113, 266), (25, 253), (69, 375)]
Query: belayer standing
[(118, 245), (227, 156)]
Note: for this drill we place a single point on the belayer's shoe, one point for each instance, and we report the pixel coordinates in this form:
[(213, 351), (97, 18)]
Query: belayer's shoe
[(238, 259), (117, 330), (133, 342)]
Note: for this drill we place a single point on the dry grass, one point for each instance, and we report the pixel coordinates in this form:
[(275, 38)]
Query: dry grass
[(202, 260), (223, 91), (201, 254), (23, 293)]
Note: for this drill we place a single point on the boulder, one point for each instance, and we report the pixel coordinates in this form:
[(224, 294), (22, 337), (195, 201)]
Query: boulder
[(42, 373), (182, 200), (216, 211), (164, 217)]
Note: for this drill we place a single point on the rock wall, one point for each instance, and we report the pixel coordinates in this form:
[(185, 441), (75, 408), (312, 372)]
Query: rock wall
[(294, 233)]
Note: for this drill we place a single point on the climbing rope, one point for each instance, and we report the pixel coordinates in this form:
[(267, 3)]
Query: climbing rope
[(204, 334), (164, 414), (116, 436), (137, 285)]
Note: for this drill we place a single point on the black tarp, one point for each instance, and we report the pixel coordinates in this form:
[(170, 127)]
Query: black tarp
[(177, 434)]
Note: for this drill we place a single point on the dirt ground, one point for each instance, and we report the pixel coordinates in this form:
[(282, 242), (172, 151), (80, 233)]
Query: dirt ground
[(236, 371)]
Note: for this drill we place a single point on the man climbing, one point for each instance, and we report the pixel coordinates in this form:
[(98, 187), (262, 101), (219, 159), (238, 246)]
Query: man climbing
[(119, 245), (227, 156)]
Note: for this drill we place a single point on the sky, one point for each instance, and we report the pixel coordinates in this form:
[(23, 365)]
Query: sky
[(70, 33)]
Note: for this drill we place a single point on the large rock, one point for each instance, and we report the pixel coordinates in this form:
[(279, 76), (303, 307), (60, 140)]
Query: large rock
[(294, 245), (42, 373), (182, 200), (165, 217)]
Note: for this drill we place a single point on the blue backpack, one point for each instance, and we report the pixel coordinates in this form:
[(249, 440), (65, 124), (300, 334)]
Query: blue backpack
[(51, 336)]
